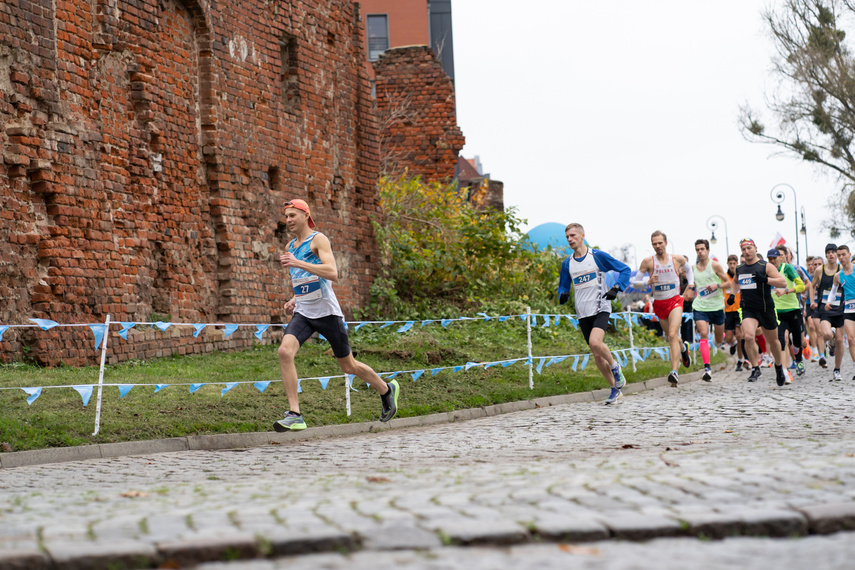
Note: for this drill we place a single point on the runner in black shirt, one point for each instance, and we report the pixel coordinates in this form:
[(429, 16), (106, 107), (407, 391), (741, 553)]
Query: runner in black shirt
[(755, 280)]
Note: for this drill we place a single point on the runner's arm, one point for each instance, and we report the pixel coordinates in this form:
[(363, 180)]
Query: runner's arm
[(720, 273), (565, 282), (773, 278), (327, 268), (606, 262)]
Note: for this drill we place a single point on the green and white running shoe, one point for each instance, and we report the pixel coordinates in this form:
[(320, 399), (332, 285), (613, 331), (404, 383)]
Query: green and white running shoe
[(291, 422), (620, 379), (390, 401)]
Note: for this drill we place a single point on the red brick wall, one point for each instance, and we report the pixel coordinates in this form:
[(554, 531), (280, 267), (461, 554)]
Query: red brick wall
[(417, 115), (148, 146)]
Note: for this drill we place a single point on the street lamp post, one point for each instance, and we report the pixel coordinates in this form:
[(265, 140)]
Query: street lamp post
[(803, 231), (778, 198), (712, 225)]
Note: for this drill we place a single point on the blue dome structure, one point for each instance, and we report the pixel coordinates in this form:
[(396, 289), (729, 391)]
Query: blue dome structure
[(550, 234)]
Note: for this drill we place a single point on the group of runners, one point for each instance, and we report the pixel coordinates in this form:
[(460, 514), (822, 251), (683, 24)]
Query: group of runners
[(762, 309), (752, 299)]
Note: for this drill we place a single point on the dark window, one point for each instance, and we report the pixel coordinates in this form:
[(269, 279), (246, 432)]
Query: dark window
[(378, 35), (288, 78)]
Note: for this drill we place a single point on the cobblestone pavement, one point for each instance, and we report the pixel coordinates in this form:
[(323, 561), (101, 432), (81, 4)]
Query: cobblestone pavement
[(708, 459)]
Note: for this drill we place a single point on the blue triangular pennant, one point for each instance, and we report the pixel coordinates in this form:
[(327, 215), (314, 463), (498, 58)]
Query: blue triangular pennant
[(426, 323), (324, 382), (358, 326), (45, 324), (472, 365), (486, 316), (229, 329), (229, 386), (545, 320), (393, 374), (198, 328), (34, 394), (533, 320), (445, 322), (350, 378), (585, 361), (261, 386), (575, 362), (387, 324), (507, 363), (555, 360), (126, 326), (124, 389), (3, 328), (259, 330), (457, 368), (195, 387), (159, 387), (85, 393), (406, 326), (503, 319), (540, 365), (162, 326), (574, 322), (435, 371), (417, 374), (98, 331)]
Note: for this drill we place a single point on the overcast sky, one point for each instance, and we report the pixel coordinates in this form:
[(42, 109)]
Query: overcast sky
[(622, 116)]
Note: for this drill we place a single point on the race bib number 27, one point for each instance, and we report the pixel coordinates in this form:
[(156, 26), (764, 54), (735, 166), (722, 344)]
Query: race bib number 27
[(307, 288)]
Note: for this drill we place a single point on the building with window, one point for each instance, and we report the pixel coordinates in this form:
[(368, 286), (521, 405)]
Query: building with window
[(398, 23)]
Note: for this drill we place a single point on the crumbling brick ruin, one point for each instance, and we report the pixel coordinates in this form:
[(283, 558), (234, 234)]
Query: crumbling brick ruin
[(147, 149), (417, 115)]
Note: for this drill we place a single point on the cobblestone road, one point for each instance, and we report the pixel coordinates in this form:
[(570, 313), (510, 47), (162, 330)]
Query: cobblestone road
[(707, 459)]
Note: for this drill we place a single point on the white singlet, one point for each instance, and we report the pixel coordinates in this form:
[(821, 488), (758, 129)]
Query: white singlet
[(668, 284)]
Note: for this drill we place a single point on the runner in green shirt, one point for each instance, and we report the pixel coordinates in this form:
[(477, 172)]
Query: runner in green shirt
[(708, 306), (788, 311)]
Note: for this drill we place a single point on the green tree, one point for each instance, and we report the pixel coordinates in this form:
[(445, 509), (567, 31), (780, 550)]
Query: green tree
[(814, 104), (444, 257)]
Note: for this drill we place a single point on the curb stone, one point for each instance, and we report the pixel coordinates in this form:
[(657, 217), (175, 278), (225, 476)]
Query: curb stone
[(258, 439)]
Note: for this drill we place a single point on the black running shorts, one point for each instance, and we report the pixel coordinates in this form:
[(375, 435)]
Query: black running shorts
[(766, 319), (332, 327), (598, 321)]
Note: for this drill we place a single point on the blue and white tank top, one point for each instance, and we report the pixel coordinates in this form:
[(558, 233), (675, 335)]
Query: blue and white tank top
[(588, 286), (847, 283), (668, 284), (315, 296)]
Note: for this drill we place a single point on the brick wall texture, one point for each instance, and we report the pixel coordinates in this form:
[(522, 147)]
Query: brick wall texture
[(147, 149), (416, 114)]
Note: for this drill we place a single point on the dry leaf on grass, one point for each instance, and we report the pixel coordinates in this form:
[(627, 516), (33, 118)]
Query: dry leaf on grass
[(583, 550), (6, 446), (377, 480)]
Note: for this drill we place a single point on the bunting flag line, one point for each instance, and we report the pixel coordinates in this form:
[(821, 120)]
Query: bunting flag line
[(124, 389), (3, 329)]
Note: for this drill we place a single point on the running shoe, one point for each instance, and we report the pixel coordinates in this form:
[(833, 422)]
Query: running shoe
[(739, 366), (789, 378), (767, 361), (613, 396), (620, 379), (733, 349), (291, 422), (792, 365), (836, 375), (390, 401), (815, 357), (800, 368), (707, 377), (685, 355), (806, 353), (674, 379), (831, 344), (822, 361), (781, 376), (755, 374)]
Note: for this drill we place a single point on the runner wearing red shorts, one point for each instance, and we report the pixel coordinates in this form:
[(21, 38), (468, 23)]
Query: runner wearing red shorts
[(667, 301)]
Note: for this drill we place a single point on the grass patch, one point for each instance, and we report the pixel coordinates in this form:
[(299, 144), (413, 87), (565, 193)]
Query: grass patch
[(58, 418)]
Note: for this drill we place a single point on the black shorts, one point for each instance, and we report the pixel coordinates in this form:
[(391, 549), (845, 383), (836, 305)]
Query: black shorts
[(808, 311), (766, 319), (835, 320), (598, 321), (332, 327), (791, 323), (732, 320), (849, 316)]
